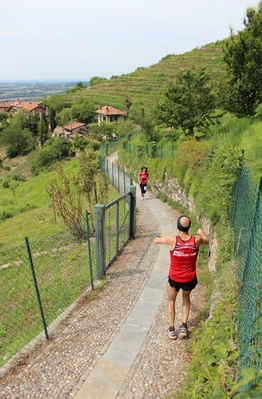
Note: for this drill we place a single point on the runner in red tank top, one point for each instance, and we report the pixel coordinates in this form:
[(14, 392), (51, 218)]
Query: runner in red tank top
[(182, 271), (143, 178)]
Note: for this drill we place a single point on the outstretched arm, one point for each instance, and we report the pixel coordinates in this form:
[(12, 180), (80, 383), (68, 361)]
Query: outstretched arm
[(201, 237), (169, 240)]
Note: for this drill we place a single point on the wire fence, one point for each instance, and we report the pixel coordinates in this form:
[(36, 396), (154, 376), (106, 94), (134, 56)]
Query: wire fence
[(118, 176), (38, 281), (150, 150), (41, 279), (246, 220)]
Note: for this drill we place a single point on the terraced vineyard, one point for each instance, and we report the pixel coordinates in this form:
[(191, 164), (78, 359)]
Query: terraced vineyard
[(145, 85)]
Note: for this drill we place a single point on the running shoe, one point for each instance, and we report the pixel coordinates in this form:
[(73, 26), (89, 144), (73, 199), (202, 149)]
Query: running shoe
[(172, 334), (183, 331)]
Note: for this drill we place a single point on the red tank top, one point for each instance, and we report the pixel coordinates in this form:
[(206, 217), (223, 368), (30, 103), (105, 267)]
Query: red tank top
[(143, 177), (183, 260)]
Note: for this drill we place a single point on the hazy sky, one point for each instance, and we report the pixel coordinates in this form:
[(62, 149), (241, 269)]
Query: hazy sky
[(78, 39)]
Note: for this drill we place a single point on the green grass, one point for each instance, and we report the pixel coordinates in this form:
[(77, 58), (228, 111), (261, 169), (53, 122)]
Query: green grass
[(38, 221), (62, 272)]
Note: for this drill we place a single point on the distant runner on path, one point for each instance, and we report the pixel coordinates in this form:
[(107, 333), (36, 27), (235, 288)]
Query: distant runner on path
[(143, 178), (182, 271)]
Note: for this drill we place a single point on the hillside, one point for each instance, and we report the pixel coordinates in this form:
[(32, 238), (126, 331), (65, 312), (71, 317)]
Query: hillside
[(144, 86)]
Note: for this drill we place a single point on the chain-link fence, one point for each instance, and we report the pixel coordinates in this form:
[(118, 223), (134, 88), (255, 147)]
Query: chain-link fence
[(247, 223), (117, 175), (38, 281), (151, 150), (118, 217)]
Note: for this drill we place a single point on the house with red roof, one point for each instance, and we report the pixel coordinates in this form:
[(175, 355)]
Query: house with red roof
[(70, 131), (73, 129), (110, 114), (5, 106), (35, 107)]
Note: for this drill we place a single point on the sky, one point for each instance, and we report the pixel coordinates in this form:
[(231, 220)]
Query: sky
[(79, 39)]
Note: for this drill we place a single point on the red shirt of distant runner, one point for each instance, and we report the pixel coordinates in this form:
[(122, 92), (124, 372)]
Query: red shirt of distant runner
[(183, 260), (143, 177)]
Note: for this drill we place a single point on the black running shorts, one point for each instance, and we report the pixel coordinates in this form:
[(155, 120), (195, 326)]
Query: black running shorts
[(184, 286)]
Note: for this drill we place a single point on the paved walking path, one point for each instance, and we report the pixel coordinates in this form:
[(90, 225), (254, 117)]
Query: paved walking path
[(112, 369), (114, 346)]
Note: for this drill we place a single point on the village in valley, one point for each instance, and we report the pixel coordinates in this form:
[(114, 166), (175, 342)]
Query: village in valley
[(33, 90)]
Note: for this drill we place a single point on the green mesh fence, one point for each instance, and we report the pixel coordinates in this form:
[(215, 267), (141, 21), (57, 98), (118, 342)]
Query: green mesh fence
[(117, 226), (117, 175), (63, 267), (151, 150), (247, 223)]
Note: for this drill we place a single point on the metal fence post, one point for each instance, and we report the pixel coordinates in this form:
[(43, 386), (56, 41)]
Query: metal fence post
[(132, 211), (89, 251), (36, 287), (100, 241)]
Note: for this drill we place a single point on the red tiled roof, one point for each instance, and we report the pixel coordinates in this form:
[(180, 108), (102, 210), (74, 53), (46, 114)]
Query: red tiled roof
[(105, 110), (29, 105), (5, 106), (73, 126)]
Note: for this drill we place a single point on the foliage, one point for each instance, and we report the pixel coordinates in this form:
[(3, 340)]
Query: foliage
[(188, 103), (20, 140), (243, 55), (97, 80), (190, 156), (211, 374), (68, 194), (28, 121), (252, 379), (58, 102), (83, 111), (147, 122), (42, 129), (89, 176), (78, 86), (53, 122), (128, 104), (67, 202), (218, 176), (54, 150), (64, 117)]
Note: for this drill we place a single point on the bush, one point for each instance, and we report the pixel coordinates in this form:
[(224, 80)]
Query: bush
[(11, 152)]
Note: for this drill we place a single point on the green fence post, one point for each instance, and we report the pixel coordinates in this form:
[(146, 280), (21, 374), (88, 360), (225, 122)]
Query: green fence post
[(118, 179), (117, 226), (133, 211), (36, 287), (89, 251), (100, 240)]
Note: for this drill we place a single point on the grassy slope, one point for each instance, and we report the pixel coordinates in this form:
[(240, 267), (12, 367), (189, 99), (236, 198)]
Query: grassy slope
[(146, 85)]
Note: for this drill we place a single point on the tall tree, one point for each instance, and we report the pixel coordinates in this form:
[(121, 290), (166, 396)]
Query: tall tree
[(83, 110), (127, 104), (52, 119), (42, 128), (188, 103), (147, 122), (243, 56), (20, 141)]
